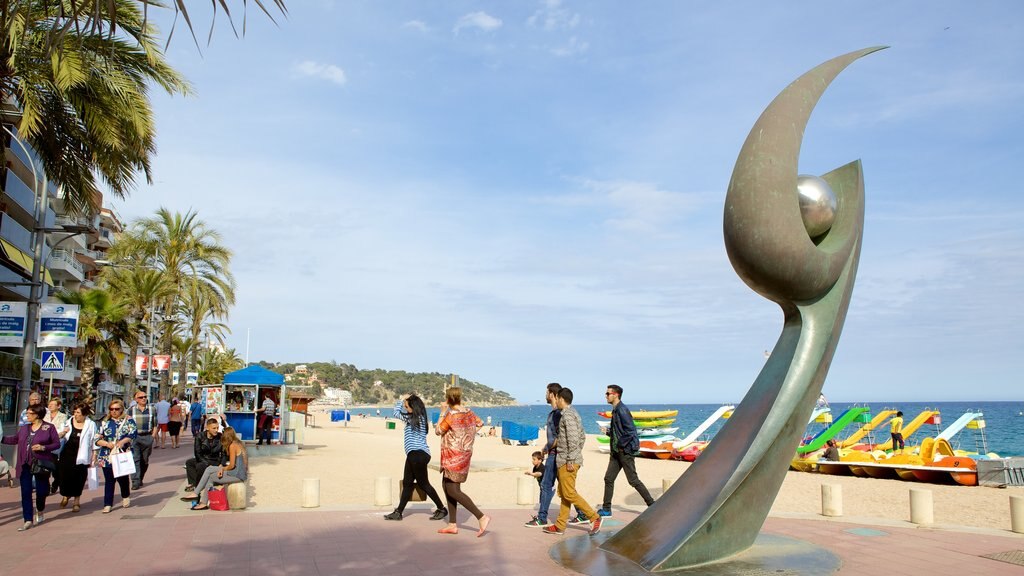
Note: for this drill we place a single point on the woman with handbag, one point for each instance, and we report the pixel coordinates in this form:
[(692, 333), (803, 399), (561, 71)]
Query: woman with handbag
[(76, 456), (36, 441), (236, 470), (457, 429), (115, 436)]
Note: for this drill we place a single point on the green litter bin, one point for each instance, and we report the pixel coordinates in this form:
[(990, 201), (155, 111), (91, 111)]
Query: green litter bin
[(391, 425)]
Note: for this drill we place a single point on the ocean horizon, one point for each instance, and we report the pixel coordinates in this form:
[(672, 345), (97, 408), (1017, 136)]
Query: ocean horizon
[(1003, 432)]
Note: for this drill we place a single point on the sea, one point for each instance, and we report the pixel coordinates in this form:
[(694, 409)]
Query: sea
[(1003, 433)]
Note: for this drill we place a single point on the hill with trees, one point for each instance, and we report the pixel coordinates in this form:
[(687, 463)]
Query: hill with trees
[(379, 386)]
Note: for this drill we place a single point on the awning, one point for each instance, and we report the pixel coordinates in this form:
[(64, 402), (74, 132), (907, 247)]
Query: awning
[(22, 259)]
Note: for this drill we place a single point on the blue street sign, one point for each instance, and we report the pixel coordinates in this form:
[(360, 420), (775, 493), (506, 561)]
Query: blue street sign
[(51, 361)]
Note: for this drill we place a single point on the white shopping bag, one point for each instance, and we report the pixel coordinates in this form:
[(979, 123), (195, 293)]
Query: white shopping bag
[(92, 480), (123, 463)]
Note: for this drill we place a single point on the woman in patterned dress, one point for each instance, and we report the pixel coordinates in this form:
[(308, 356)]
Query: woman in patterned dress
[(116, 431), (457, 429)]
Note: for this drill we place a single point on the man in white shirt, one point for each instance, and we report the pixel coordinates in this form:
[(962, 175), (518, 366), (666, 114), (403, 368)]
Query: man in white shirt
[(266, 420), (163, 416)]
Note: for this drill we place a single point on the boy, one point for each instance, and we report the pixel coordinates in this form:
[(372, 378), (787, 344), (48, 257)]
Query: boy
[(538, 467)]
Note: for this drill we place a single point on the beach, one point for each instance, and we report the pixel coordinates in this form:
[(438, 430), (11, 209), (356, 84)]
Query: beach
[(347, 460)]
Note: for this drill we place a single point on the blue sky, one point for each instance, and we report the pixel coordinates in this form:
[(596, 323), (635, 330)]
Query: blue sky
[(525, 192)]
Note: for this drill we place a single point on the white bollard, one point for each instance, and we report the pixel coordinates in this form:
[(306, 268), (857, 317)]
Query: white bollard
[(382, 491), (1017, 514), (310, 492), (524, 490), (667, 483), (921, 511), (831, 500)]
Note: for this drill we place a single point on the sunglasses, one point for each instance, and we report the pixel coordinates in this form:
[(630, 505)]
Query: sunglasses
[(115, 408)]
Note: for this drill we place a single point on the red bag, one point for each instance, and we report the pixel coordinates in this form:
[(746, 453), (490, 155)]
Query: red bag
[(218, 499)]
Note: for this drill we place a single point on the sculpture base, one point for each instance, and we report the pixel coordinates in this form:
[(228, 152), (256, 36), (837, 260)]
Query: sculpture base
[(770, 554)]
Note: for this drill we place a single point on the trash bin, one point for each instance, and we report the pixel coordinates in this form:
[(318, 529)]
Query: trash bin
[(289, 435), (390, 425)]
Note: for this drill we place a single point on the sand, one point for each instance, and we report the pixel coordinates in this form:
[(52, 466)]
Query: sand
[(348, 460)]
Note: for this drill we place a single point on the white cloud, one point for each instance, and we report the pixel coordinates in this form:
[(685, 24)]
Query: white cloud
[(416, 25), (328, 72), (481, 20), (571, 48), (552, 16), (639, 206)]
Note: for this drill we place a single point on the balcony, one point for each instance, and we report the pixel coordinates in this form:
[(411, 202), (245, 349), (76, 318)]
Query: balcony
[(104, 239), (21, 195), (16, 234), (63, 265)]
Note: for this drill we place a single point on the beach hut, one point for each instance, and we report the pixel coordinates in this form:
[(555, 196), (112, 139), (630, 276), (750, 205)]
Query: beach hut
[(241, 395)]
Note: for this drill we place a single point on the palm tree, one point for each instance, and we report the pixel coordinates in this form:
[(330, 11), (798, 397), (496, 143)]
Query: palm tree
[(104, 326), (191, 259), (139, 290), (200, 311), (84, 108), (214, 364)]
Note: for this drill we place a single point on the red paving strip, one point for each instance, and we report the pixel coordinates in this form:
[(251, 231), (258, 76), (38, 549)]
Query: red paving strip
[(310, 543)]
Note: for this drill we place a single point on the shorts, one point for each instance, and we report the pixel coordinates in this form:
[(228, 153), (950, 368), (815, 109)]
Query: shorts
[(174, 428), (162, 427)]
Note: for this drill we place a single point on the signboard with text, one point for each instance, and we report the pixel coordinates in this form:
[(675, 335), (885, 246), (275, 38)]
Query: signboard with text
[(12, 323), (58, 325)]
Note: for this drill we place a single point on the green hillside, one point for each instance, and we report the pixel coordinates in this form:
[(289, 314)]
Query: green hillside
[(384, 386)]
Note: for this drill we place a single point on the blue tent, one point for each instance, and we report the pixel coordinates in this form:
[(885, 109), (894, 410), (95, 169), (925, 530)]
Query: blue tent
[(254, 374)]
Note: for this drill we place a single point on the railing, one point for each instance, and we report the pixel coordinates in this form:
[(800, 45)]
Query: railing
[(20, 191), (77, 221), (16, 234), (67, 257)]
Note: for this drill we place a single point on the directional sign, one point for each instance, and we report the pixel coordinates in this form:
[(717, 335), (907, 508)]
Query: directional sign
[(52, 361)]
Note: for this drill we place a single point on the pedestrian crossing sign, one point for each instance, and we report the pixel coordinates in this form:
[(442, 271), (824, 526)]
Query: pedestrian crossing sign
[(52, 361)]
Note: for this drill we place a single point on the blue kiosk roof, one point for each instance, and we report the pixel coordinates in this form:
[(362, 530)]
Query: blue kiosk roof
[(254, 374)]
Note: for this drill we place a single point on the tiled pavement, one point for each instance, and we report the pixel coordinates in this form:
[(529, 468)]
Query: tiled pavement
[(142, 540)]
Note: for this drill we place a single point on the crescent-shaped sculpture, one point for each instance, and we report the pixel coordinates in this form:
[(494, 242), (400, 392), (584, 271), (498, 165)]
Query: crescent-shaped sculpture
[(717, 508)]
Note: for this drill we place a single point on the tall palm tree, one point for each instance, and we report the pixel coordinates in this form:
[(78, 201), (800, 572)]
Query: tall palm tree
[(189, 255), (214, 364), (201, 311), (104, 326), (84, 108)]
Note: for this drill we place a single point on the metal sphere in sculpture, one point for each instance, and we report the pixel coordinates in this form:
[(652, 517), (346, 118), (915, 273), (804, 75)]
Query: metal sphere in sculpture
[(817, 204)]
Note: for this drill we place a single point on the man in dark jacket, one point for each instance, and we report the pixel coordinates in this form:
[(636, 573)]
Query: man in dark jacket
[(624, 445), (208, 452)]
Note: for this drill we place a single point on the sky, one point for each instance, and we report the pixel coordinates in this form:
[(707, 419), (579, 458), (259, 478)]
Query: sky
[(527, 192)]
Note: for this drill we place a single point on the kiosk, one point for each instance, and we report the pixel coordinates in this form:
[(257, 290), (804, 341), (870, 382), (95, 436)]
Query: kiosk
[(241, 395)]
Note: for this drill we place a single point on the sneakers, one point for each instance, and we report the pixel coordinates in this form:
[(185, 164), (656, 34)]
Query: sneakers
[(39, 518), (25, 526), (396, 515), (552, 529), (440, 514), (580, 519), (126, 502), (536, 522), (106, 509), (595, 526), (604, 513)]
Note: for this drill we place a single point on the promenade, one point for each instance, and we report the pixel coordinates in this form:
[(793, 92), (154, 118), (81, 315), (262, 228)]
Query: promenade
[(157, 535)]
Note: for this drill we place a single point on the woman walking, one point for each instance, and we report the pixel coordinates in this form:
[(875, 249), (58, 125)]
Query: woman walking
[(73, 464), (417, 456), (176, 420), (236, 470), (457, 429), (36, 442), (116, 434)]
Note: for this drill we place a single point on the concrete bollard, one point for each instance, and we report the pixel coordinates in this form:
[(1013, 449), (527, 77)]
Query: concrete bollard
[(921, 510), (524, 489), (382, 491), (310, 492), (667, 483), (1017, 514), (831, 500)]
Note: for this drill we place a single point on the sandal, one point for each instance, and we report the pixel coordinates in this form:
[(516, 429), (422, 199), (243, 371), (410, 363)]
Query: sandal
[(64, 502), (188, 497), (76, 508), (200, 507), (449, 530)]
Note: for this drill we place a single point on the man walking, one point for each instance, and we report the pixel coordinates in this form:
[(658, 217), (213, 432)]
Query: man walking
[(625, 445), (196, 413), (547, 479), (896, 431), (146, 421), (569, 459)]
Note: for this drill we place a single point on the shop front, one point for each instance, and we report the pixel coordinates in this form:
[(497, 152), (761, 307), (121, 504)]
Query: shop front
[(240, 399)]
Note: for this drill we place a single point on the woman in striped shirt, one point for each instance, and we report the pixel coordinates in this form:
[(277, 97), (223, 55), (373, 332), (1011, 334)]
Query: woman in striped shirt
[(417, 456)]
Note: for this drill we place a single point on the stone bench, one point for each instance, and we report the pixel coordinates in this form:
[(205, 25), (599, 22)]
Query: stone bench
[(238, 495)]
